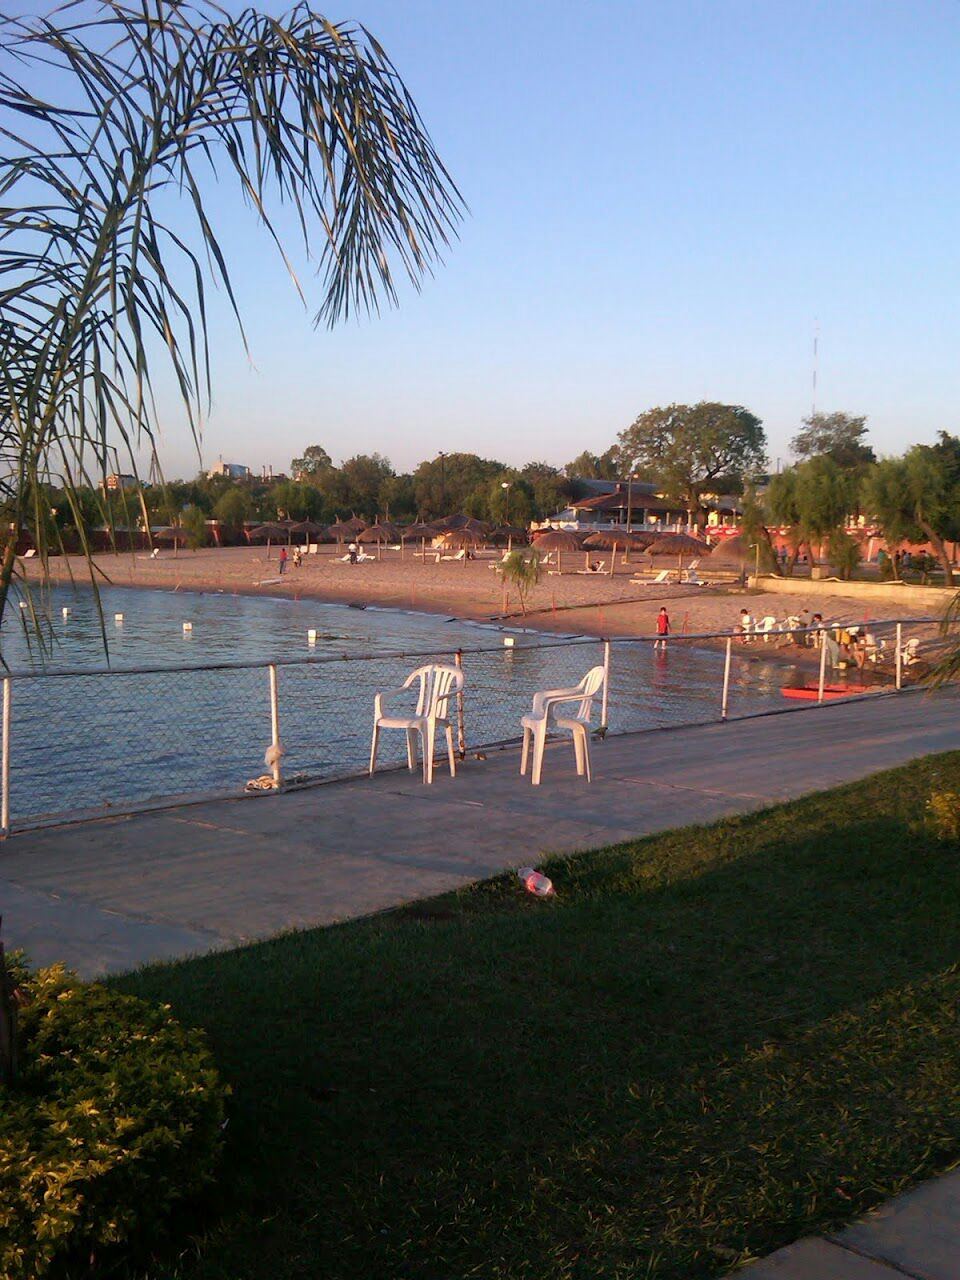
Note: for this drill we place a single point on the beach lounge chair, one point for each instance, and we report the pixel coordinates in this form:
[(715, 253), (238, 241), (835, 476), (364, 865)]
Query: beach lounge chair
[(544, 715), (436, 684), (691, 576)]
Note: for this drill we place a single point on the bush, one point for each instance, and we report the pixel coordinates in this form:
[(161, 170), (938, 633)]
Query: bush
[(844, 553), (943, 809), (115, 1119)]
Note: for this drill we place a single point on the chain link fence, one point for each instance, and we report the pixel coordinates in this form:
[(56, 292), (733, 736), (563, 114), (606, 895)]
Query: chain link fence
[(79, 742)]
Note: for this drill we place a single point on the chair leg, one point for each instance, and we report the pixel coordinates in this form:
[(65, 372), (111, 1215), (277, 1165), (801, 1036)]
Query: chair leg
[(525, 751), (583, 737), (429, 739), (577, 749), (539, 742), (450, 752), (373, 748), (411, 749)]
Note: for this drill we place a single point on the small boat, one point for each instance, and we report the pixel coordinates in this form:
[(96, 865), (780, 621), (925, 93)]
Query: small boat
[(811, 692)]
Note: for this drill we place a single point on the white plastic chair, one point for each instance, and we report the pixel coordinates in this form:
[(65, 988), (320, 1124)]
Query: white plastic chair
[(436, 686), (543, 716)]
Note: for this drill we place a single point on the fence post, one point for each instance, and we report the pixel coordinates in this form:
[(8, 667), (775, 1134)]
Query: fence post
[(275, 725), (823, 665), (605, 704), (5, 763), (899, 655), (461, 732), (726, 678)]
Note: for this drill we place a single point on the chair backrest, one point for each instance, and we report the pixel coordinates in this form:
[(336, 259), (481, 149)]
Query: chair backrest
[(589, 687), (437, 683)]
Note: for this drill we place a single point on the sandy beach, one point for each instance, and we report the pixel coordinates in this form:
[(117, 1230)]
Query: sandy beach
[(585, 603)]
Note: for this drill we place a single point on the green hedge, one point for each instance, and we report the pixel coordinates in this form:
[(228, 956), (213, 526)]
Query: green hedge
[(115, 1119)]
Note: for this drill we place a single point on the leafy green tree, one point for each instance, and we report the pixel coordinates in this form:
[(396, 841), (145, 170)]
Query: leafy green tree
[(509, 500), (844, 553), (754, 532), (195, 522), (594, 466), (363, 477), (834, 435), (315, 460), (454, 482), (551, 491), (293, 501), (885, 497), (95, 285), (688, 449), (398, 501), (918, 497), (522, 571), (232, 508), (826, 495)]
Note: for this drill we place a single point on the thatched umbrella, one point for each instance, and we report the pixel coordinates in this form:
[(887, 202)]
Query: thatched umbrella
[(679, 545), (460, 521), (611, 539), (266, 533), (422, 530), (306, 527), (731, 551), (558, 540), (356, 524), (508, 533), (343, 531), (174, 533), (463, 539), (378, 533)]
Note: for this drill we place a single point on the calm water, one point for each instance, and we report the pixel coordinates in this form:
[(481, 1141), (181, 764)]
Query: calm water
[(85, 741)]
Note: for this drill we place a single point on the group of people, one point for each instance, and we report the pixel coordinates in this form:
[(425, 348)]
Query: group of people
[(285, 559)]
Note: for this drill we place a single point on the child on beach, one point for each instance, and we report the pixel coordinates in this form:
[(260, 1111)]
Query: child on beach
[(663, 629)]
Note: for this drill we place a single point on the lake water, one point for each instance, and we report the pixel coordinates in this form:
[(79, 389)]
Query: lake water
[(85, 741)]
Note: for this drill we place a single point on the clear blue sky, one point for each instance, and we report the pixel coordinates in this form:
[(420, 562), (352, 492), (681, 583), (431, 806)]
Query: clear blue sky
[(664, 198)]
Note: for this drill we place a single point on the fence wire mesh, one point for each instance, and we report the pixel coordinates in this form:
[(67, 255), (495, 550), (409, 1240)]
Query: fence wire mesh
[(114, 739)]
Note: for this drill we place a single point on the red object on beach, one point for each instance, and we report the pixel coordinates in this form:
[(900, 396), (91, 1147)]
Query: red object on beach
[(810, 692)]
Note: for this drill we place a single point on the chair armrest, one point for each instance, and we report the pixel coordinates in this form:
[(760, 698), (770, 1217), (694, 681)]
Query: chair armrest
[(388, 695), (546, 697)]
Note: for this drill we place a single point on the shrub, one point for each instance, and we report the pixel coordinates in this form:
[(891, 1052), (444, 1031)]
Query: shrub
[(943, 809), (844, 553), (115, 1119)]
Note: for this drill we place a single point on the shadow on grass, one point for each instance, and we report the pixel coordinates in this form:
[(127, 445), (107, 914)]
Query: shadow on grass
[(710, 1041)]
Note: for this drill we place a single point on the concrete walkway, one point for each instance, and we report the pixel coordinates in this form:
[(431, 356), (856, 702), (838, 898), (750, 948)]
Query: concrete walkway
[(115, 893), (916, 1235)]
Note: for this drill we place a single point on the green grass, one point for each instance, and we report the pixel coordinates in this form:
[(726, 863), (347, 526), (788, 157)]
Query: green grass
[(712, 1041)]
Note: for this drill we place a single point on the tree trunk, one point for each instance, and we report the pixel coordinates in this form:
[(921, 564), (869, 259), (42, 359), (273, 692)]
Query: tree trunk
[(940, 551)]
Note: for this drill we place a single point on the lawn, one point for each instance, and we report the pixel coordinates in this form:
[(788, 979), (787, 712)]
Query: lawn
[(710, 1042)]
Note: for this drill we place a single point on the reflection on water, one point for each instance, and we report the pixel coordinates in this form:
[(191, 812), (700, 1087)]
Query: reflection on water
[(85, 741)]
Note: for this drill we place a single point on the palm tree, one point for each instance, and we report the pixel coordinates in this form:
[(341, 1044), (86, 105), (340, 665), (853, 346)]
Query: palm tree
[(97, 286)]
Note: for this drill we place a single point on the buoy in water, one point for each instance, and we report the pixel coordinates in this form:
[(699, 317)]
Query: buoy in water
[(118, 618), (65, 611), (508, 642), (311, 636), (188, 626)]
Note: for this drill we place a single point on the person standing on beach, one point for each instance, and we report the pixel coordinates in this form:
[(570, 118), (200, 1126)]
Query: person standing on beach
[(283, 560), (663, 628)]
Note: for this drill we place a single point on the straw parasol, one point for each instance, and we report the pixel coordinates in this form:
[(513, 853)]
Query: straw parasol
[(732, 551), (307, 528), (266, 533), (611, 539), (558, 540), (677, 544), (175, 534), (422, 530), (508, 533), (379, 533), (356, 524), (460, 521), (342, 530), (462, 539)]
